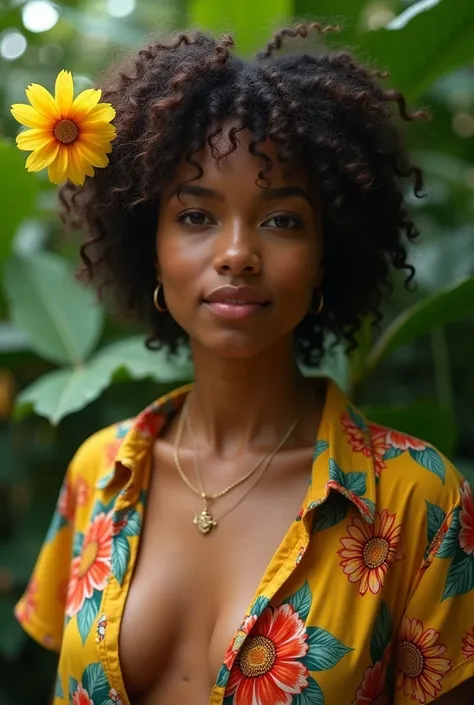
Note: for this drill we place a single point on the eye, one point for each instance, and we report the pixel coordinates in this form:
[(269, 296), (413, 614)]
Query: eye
[(284, 221), (194, 219)]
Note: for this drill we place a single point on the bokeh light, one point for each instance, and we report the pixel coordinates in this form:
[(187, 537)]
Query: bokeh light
[(39, 15), (120, 8), (12, 44)]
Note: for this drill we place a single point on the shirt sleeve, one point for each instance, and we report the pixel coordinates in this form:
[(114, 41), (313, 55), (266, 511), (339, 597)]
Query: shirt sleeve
[(41, 609), (435, 644)]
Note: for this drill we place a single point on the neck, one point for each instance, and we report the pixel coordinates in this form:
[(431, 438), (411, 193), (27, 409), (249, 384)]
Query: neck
[(237, 403)]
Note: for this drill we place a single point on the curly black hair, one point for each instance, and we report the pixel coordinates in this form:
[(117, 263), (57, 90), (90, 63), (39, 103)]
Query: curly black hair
[(324, 111)]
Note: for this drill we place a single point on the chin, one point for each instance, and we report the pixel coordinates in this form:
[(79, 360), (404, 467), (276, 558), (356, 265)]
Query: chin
[(235, 346)]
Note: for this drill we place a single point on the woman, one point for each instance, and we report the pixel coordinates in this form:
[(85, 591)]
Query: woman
[(252, 539)]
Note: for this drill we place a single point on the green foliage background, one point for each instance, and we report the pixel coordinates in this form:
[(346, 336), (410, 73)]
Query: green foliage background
[(67, 368)]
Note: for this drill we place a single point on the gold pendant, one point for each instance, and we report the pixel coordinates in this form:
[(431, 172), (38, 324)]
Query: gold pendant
[(204, 521)]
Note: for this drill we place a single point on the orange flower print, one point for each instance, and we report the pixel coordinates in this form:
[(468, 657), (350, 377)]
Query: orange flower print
[(369, 550), (90, 570), (66, 501), (82, 492), (466, 519), (404, 442), (420, 662), (468, 644), (372, 689), (372, 443), (81, 697), (244, 629), (112, 449), (29, 602), (268, 669)]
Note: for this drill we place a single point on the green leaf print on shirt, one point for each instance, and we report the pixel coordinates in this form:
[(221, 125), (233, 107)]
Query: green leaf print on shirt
[(120, 557), (382, 633), (430, 459), (434, 520), (87, 614), (330, 513), (325, 651), (301, 601), (319, 448)]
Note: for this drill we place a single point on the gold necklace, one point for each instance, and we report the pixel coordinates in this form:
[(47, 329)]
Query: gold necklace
[(204, 520)]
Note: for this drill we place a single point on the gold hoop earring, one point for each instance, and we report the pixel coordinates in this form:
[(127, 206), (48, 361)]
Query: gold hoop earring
[(156, 303), (320, 306)]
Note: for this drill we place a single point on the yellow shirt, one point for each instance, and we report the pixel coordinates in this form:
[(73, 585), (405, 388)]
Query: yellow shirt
[(368, 599)]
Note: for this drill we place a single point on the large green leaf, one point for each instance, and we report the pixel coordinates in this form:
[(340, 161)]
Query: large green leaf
[(445, 306), (62, 392), (250, 23), (61, 318), (19, 190), (130, 358), (422, 419), (425, 42)]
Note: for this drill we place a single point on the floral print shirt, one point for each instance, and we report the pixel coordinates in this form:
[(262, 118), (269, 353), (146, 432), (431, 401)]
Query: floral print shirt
[(369, 598)]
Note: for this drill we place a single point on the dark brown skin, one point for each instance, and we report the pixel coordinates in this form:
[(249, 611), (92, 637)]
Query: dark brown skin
[(246, 395), (189, 592)]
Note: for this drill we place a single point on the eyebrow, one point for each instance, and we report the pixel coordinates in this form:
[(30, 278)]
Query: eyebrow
[(271, 194)]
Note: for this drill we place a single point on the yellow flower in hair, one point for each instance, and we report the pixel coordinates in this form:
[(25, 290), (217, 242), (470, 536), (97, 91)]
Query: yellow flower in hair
[(70, 136)]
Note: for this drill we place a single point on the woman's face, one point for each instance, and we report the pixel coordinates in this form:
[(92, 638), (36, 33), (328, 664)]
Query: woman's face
[(263, 245)]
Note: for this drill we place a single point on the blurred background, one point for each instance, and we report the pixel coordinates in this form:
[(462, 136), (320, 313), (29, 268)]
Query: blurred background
[(67, 368)]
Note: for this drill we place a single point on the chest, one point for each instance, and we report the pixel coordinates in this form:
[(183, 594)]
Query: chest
[(189, 591)]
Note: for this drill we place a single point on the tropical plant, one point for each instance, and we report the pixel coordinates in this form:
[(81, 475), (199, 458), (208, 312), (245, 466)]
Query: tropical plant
[(67, 367)]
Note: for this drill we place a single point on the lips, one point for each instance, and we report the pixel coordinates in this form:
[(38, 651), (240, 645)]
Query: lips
[(236, 296)]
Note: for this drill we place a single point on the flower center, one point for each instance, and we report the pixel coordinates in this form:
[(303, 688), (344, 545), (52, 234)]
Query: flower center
[(66, 131), (410, 659), (257, 656), (88, 557), (375, 552)]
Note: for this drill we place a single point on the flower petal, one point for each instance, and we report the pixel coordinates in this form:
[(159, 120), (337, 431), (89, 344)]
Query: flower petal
[(78, 168), (57, 171), (42, 157), (83, 104), (93, 155), (103, 112), (102, 134), (42, 101), (64, 93), (33, 139), (28, 116)]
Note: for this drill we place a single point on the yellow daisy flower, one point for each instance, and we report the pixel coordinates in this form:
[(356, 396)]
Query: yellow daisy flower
[(69, 136)]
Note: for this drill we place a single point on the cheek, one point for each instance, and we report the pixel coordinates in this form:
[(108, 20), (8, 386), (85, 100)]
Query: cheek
[(294, 272)]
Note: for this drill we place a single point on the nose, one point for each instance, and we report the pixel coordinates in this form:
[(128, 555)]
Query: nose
[(237, 252)]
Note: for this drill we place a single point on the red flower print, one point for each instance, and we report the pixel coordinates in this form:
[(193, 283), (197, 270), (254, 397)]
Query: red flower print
[(90, 570), (244, 629), (81, 697), (420, 661), (66, 501), (466, 519), (369, 550), (29, 603), (150, 422), (372, 689), (468, 644), (268, 669), (371, 443), (112, 449), (404, 442), (82, 492)]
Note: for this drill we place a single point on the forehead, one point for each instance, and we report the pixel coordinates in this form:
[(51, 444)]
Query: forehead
[(229, 160)]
